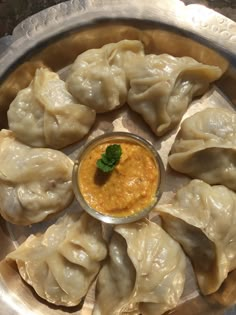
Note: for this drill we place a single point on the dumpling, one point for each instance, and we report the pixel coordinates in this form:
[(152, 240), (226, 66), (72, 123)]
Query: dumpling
[(205, 147), (98, 77), (116, 280), (202, 218), (34, 183), (45, 114), (163, 86), (62, 263), (144, 273)]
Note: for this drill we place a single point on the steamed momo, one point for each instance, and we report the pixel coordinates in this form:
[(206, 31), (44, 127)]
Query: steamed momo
[(144, 273), (98, 77), (202, 218), (62, 263), (34, 183), (45, 114), (163, 86), (205, 147)]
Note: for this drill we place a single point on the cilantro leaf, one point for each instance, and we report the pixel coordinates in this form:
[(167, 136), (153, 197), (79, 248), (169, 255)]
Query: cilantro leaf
[(113, 152), (106, 160), (104, 167), (110, 158)]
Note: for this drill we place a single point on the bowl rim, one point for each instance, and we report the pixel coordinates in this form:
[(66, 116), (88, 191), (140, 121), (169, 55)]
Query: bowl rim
[(106, 137)]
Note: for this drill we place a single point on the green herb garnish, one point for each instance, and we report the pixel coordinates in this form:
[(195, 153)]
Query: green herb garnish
[(110, 158)]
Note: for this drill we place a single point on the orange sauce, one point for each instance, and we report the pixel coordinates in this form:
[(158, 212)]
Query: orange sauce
[(126, 190)]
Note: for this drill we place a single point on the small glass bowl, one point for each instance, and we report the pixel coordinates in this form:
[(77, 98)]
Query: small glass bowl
[(113, 138)]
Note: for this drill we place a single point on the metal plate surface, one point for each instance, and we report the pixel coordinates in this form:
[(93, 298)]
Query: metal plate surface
[(54, 38)]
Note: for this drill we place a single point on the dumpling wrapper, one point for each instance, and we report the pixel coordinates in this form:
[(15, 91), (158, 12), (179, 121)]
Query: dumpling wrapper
[(34, 183), (98, 78), (205, 147), (162, 87), (61, 264), (202, 218), (45, 114), (144, 273)]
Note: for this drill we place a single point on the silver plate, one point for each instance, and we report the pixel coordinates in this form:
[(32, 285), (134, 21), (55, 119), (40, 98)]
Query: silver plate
[(53, 38)]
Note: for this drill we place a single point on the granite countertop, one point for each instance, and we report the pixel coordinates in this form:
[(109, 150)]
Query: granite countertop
[(13, 12)]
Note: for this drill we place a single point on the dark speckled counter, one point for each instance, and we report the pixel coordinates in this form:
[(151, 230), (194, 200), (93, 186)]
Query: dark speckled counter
[(14, 11)]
